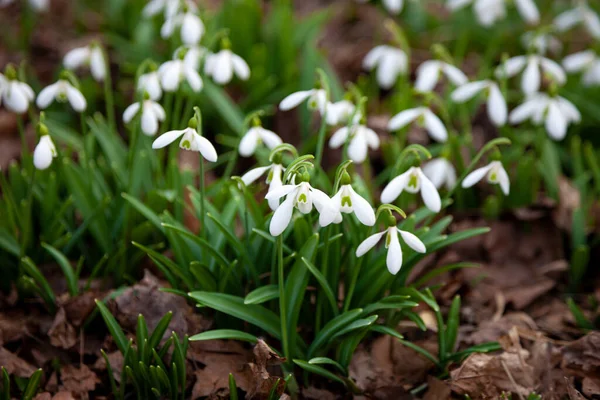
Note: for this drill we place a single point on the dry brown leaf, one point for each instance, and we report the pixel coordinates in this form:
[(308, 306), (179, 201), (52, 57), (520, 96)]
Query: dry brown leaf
[(15, 365), (582, 357), (437, 389), (80, 380), (262, 380), (61, 333)]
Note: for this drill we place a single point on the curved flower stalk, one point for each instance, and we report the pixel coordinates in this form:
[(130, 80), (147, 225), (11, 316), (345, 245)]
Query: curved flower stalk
[(347, 201), (441, 173), (360, 138), (45, 151), (392, 244), (187, 20), (532, 66), (496, 104), (494, 173), (429, 73), (152, 114), (582, 13), (393, 6), (488, 12), (424, 118), (413, 181), (317, 100), (340, 112), (541, 42), (255, 136), (90, 55), (150, 83), (390, 62), (62, 91), (15, 95), (555, 112), (155, 7), (223, 65), (587, 62), (173, 73), (191, 140), (301, 196)]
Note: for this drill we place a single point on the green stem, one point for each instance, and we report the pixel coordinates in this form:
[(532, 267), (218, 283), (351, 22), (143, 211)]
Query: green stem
[(24, 147), (282, 300), (203, 200), (108, 95), (176, 111), (352, 285), (321, 140), (27, 226), (325, 271)]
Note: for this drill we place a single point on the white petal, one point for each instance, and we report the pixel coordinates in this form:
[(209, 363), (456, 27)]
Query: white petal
[(503, 180), (270, 138), (168, 27), (394, 254), (497, 109), (592, 22), (578, 61), (241, 68), (435, 170), (153, 8), (373, 56), (475, 176), (149, 123), (159, 111), (455, 75), (468, 91), (207, 149), (320, 199), (387, 71), (568, 19), (371, 137), (554, 69), (393, 6), (76, 58), (357, 149), (191, 29), (556, 123), (435, 127), (130, 112), (167, 138), (193, 78), (531, 79), (47, 95), (76, 99), (339, 138), (170, 75), (222, 71), (369, 243), (395, 187), (412, 241), (569, 110), (255, 173), (282, 216), (281, 191), (362, 209), (512, 66), (42, 155), (249, 142), (97, 64), (524, 111), (528, 11), (454, 5), (15, 99), (429, 193), (294, 99), (427, 76), (274, 185), (404, 118)]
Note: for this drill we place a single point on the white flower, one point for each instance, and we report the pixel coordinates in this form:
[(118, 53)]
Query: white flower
[(428, 75), (317, 100), (555, 111), (389, 61), (16, 95), (191, 140), (392, 244), (222, 65), (273, 180), (36, 5), (301, 196), (152, 113), (154, 7), (424, 117), (150, 83), (347, 201), (413, 181), (255, 136), (361, 138), (489, 12), (194, 55), (494, 173), (541, 43), (393, 6), (441, 173), (532, 77), (91, 55), (61, 91), (496, 105), (340, 112), (173, 72), (190, 23), (44, 152), (581, 13), (588, 63)]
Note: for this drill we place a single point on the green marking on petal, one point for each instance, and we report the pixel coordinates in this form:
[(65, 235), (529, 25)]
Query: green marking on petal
[(493, 177), (346, 201), (186, 144), (302, 198), (413, 181), (388, 240)]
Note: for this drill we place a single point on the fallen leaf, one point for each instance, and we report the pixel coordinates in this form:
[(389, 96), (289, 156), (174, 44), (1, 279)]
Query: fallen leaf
[(15, 365), (437, 389), (80, 380), (582, 357), (62, 334), (262, 381)]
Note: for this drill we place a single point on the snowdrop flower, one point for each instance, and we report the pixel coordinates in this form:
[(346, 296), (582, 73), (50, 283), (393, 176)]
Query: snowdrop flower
[(588, 63), (45, 151), (275, 173), (392, 244), (413, 181), (582, 13), (340, 112), (317, 100), (173, 72), (191, 140), (194, 55), (91, 55), (347, 201), (424, 117), (154, 7), (390, 63), (393, 6), (222, 65), (494, 173), (36, 5), (555, 111), (61, 91), (361, 138), (541, 43), (428, 75), (496, 105), (301, 196), (532, 77), (489, 12), (152, 113), (255, 136), (150, 83), (441, 173), (16, 95), (188, 21)]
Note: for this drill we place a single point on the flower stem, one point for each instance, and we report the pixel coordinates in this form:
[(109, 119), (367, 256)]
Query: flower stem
[(26, 228), (108, 95), (282, 299), (321, 140), (203, 200), (24, 147), (352, 285), (325, 271)]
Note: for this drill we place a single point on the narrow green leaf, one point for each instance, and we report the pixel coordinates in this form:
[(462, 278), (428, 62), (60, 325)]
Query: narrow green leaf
[(66, 267), (159, 331), (113, 327), (144, 210), (315, 369), (331, 328), (389, 331), (262, 294), (230, 334), (33, 385), (233, 393), (324, 285), (326, 360), (452, 324), (46, 290)]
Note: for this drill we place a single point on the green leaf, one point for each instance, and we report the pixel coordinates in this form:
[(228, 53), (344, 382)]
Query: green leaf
[(66, 267), (331, 328), (324, 285), (389, 331), (262, 294), (46, 290), (233, 394), (355, 325), (113, 327), (33, 385), (230, 334), (580, 319), (441, 270), (5, 384), (9, 243), (452, 324), (480, 348), (315, 369), (229, 111), (326, 360), (159, 331), (144, 210)]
